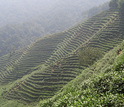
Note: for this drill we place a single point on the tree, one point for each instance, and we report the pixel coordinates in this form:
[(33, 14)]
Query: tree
[(116, 4), (113, 4), (121, 4)]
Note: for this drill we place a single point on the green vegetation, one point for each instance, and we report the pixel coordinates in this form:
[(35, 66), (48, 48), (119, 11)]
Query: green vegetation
[(102, 84), (113, 4), (89, 55), (42, 70), (116, 4), (121, 3), (25, 22)]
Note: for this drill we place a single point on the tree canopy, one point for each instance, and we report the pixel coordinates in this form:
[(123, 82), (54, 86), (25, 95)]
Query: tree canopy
[(116, 4), (113, 4)]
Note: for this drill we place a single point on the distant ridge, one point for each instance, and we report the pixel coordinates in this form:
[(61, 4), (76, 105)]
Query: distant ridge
[(23, 21)]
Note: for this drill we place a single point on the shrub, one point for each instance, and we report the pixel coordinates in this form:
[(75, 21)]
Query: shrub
[(88, 56)]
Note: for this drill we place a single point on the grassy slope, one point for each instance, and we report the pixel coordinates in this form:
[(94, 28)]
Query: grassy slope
[(49, 70), (102, 84)]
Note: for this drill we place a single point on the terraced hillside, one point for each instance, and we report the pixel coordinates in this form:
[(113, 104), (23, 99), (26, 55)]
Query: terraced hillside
[(34, 55), (50, 63), (102, 84)]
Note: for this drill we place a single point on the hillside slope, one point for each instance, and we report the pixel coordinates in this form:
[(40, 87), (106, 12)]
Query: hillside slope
[(42, 69), (48, 18), (102, 84)]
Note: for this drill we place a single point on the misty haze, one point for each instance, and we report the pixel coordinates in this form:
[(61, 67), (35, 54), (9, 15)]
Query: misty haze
[(61, 53)]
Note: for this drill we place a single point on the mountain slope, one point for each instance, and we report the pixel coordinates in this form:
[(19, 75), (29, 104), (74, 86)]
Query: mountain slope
[(102, 84), (49, 70), (85, 34), (40, 18)]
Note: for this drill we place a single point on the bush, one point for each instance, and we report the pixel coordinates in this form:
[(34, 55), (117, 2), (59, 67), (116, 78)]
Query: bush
[(88, 56)]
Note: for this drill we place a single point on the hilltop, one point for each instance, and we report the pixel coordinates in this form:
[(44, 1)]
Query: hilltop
[(42, 69)]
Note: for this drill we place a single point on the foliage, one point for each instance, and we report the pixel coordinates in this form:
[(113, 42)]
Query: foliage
[(89, 55), (121, 4), (44, 67), (119, 65), (113, 4), (116, 4), (105, 88)]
